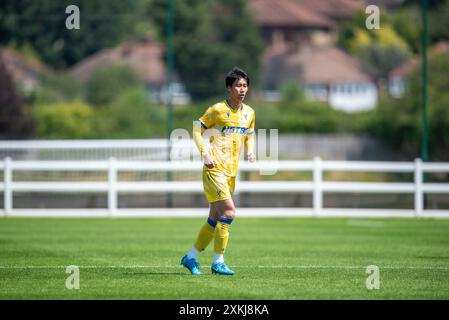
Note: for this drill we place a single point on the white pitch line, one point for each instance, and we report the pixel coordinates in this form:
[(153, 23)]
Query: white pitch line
[(235, 266)]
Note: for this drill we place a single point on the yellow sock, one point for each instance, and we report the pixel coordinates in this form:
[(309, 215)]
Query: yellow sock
[(205, 235), (221, 235)]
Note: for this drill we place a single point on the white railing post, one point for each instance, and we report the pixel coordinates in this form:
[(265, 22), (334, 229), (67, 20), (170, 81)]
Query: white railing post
[(419, 204), (112, 190), (7, 192), (317, 186)]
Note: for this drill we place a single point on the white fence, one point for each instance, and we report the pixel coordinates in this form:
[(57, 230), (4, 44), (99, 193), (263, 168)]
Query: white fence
[(290, 146), (67, 150), (317, 186)]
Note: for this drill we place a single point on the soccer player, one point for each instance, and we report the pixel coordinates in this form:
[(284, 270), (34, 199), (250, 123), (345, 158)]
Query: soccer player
[(232, 123)]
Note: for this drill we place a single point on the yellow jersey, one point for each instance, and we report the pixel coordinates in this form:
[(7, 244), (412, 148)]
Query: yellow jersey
[(231, 127)]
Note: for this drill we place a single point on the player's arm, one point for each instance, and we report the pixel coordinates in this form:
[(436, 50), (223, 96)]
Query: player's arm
[(199, 127), (249, 141)]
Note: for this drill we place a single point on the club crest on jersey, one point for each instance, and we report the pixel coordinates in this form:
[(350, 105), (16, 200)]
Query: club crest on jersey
[(228, 114), (246, 116)]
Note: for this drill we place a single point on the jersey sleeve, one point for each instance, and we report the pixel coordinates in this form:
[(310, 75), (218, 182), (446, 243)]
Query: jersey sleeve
[(252, 125), (198, 138), (207, 120), (249, 139)]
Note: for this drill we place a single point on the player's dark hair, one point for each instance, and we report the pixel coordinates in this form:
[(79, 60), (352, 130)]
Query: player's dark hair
[(235, 74)]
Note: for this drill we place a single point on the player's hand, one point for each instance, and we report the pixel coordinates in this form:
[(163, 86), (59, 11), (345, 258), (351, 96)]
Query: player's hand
[(251, 157), (209, 161)]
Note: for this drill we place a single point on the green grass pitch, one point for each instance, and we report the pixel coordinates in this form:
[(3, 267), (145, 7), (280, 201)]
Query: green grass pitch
[(284, 258)]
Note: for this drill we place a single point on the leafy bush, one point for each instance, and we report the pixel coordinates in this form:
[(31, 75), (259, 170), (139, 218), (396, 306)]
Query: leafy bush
[(108, 82), (291, 91), (299, 116), (64, 121), (56, 88), (130, 116)]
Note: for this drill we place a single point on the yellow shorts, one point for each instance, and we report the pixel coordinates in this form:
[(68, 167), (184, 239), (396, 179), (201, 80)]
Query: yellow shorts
[(217, 186)]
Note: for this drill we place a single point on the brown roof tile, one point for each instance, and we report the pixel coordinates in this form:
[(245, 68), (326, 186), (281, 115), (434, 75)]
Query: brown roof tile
[(287, 13), (23, 69), (410, 65), (335, 9), (313, 65), (145, 58), (303, 13)]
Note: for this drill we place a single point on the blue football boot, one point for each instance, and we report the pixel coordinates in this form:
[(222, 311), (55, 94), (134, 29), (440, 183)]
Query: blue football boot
[(221, 268), (191, 264)]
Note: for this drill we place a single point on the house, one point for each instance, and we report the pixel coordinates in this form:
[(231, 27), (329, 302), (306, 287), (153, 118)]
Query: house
[(294, 22), (397, 79), (326, 73), (146, 58), (25, 71), (300, 37)]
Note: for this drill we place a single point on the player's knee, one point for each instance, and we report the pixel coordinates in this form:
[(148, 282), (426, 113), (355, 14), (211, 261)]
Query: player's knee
[(229, 214)]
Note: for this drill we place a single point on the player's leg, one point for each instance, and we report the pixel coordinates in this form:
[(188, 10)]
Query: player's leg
[(217, 188), (224, 212), (204, 237), (206, 234)]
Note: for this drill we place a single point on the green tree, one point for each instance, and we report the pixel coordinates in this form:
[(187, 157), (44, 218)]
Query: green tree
[(381, 60), (41, 24), (398, 121), (211, 37), (349, 28), (438, 108), (407, 23), (432, 3), (439, 22), (380, 50), (14, 122)]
